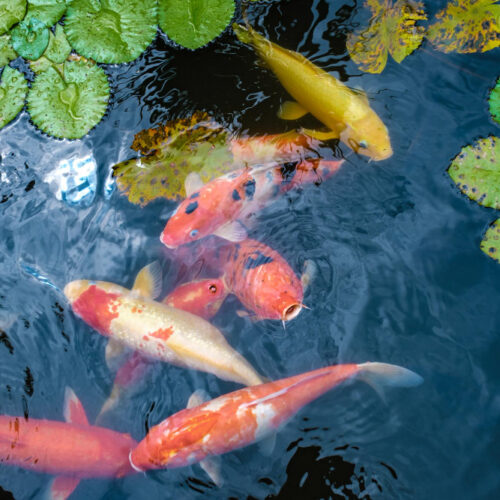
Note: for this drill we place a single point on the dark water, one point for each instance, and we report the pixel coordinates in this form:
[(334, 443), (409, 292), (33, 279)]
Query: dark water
[(401, 278)]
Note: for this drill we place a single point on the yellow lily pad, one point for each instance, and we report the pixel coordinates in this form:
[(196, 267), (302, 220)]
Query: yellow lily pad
[(491, 241), (392, 29), (466, 26)]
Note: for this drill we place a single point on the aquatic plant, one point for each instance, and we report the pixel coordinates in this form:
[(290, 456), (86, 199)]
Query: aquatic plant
[(194, 23), (11, 12), (491, 241), (7, 53), (46, 11), (30, 39), (466, 26), (111, 32), (169, 153), (13, 88), (392, 30), (494, 102), (69, 100)]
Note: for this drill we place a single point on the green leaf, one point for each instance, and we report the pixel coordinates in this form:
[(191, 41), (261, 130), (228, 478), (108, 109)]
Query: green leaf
[(494, 101), (11, 12), (13, 88), (69, 104), (491, 241), (476, 172), (466, 26), (30, 39), (171, 152), (392, 30), (7, 53), (109, 31), (43, 64), (58, 49), (47, 11), (194, 23)]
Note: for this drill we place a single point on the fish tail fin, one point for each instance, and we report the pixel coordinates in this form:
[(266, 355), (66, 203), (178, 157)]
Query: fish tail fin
[(381, 375)]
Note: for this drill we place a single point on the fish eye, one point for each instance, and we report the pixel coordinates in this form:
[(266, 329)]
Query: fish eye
[(363, 144), (193, 233), (212, 289)]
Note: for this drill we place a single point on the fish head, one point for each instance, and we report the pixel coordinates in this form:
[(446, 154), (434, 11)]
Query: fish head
[(202, 297), (368, 136)]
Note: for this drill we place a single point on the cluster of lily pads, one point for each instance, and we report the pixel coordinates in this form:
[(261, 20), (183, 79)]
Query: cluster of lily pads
[(476, 172), (70, 92), (463, 26)]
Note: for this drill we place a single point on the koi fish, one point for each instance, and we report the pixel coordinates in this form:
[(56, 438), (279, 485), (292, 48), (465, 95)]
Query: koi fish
[(202, 298), (242, 417), (72, 450), (346, 112), (214, 208), (132, 318), (263, 281)]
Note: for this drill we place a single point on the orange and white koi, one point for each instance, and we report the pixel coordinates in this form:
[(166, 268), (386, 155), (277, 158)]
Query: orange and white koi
[(134, 319), (216, 207), (242, 417), (72, 450)]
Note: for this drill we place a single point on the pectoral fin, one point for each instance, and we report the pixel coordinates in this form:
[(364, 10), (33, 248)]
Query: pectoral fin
[(192, 183), (321, 136), (232, 231), (290, 110), (114, 353), (148, 282), (308, 274), (61, 487), (198, 397), (266, 446)]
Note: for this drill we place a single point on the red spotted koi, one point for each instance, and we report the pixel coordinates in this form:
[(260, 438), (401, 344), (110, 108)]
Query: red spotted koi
[(216, 208), (242, 417), (161, 332)]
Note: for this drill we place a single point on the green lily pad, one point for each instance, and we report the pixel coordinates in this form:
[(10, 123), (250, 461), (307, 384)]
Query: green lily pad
[(59, 48), (392, 30), (491, 241), (13, 88), (69, 104), (43, 64), (494, 101), (476, 172), (171, 152), (466, 26), (30, 39), (7, 53), (109, 31), (194, 23), (11, 12), (47, 11)]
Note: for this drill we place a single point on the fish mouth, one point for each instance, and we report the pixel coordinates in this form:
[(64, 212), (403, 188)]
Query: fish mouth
[(292, 311), (163, 239), (74, 289)]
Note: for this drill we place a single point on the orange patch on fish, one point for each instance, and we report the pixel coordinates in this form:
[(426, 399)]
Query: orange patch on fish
[(162, 333)]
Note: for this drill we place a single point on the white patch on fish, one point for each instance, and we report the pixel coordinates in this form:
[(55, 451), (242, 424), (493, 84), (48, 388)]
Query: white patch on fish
[(264, 414)]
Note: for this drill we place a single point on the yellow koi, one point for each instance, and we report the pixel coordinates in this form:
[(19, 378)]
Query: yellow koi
[(345, 112)]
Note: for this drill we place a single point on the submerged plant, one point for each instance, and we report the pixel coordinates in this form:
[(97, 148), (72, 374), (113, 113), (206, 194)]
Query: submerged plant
[(109, 31), (392, 30), (467, 26), (194, 23), (13, 88), (69, 100)]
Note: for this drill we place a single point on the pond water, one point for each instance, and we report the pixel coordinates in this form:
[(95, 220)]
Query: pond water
[(400, 275)]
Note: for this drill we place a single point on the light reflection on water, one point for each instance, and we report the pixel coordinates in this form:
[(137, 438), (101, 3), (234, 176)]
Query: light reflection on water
[(400, 276)]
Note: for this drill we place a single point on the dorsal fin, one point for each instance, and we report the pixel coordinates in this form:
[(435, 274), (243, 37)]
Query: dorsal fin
[(148, 282), (73, 409)]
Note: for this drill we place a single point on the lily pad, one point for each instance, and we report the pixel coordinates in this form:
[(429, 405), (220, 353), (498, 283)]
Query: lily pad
[(494, 101), (59, 48), (194, 23), (171, 152), (392, 30), (7, 53), (47, 11), (476, 172), (13, 88), (11, 12), (491, 241), (111, 31), (30, 39), (70, 103), (466, 26)]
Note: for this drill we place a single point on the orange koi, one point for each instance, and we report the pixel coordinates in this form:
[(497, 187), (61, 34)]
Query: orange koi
[(242, 417), (72, 450), (216, 207)]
